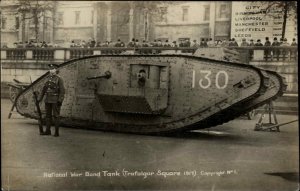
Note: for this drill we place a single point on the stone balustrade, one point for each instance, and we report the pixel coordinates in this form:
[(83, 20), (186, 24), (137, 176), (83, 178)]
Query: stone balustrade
[(63, 54)]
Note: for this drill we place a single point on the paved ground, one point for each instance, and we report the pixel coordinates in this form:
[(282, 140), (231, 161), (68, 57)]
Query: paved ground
[(227, 157)]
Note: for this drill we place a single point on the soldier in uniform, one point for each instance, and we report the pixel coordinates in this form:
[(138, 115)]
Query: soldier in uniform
[(54, 90)]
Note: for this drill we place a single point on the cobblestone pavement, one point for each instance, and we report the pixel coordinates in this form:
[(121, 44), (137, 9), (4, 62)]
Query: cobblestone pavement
[(227, 157)]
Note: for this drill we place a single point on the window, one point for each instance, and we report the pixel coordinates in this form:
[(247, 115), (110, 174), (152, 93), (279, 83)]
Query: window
[(17, 22), (185, 13), (60, 18), (77, 17), (206, 12), (3, 23), (163, 14), (92, 17), (224, 11)]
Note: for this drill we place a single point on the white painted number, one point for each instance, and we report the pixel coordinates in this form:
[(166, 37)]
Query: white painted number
[(206, 79), (205, 82), (225, 80)]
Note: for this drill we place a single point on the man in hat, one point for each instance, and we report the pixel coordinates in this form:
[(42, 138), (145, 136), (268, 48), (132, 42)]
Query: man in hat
[(251, 42), (118, 44), (294, 52), (174, 44), (294, 43), (131, 43), (267, 42), (258, 43), (234, 43), (267, 53), (210, 43), (244, 42), (283, 51), (285, 43), (203, 43), (224, 43), (54, 90), (167, 44), (276, 51), (281, 41), (195, 44), (137, 44)]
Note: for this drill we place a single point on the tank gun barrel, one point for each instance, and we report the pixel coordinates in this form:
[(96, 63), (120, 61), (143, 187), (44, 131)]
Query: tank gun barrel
[(106, 75)]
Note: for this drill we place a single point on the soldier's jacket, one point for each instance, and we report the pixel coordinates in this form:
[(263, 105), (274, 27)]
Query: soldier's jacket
[(53, 89)]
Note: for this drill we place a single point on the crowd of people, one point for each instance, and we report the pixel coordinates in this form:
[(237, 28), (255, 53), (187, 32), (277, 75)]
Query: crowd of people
[(91, 43), (32, 44), (184, 43)]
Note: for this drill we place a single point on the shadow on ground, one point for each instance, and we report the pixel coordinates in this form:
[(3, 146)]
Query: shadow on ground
[(290, 176)]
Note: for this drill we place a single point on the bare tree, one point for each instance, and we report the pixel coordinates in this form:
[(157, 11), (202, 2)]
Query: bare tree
[(34, 10), (277, 8), (151, 11), (154, 10)]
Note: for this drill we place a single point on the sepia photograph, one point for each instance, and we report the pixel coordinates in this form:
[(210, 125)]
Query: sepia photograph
[(149, 95)]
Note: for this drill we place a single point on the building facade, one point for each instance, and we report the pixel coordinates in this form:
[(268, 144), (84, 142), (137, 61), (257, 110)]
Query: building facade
[(18, 25), (109, 21), (10, 22), (195, 21), (126, 20)]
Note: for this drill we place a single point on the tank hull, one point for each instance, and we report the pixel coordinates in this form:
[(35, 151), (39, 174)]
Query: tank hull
[(180, 92)]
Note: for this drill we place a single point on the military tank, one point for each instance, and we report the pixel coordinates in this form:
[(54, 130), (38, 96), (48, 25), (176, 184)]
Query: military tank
[(163, 93)]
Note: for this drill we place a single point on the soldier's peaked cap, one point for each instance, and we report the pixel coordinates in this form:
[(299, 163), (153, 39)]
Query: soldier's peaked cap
[(53, 66)]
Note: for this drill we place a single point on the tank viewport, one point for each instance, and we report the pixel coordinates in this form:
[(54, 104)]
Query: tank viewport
[(141, 77)]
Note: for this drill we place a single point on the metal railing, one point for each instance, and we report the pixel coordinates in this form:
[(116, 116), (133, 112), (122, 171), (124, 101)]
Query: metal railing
[(48, 54)]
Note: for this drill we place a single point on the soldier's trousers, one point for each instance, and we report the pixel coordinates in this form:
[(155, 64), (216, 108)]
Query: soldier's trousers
[(52, 110)]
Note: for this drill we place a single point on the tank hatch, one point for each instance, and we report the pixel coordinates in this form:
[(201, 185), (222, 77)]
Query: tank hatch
[(146, 90)]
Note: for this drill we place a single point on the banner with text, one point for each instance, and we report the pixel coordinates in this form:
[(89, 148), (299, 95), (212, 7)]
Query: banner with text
[(250, 21)]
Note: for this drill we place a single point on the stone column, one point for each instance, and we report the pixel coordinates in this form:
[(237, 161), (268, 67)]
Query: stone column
[(108, 22), (51, 28), (22, 29), (95, 23), (212, 20), (131, 22)]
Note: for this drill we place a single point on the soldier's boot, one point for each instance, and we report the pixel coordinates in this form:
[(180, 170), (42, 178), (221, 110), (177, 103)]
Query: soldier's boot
[(48, 126), (56, 134)]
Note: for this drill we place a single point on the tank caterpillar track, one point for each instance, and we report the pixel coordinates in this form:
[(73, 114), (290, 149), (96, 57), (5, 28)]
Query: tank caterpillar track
[(250, 105), (177, 93)]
